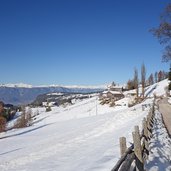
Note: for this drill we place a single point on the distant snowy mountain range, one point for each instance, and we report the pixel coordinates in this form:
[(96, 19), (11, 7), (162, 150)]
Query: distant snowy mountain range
[(22, 85), (23, 93)]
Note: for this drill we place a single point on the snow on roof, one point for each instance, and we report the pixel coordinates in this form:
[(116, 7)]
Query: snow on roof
[(112, 92), (116, 86), (115, 92)]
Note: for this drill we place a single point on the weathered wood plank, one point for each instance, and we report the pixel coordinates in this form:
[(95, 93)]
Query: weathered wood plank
[(120, 161), (138, 149), (123, 147), (127, 163)]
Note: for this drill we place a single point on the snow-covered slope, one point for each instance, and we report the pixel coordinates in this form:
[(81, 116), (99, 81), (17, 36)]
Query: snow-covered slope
[(157, 89), (80, 137), (161, 88), (84, 136)]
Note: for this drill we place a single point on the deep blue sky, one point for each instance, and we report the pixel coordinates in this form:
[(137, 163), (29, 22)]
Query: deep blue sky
[(78, 41)]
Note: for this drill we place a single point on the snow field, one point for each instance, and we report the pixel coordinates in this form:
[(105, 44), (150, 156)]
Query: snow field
[(71, 138), (84, 136)]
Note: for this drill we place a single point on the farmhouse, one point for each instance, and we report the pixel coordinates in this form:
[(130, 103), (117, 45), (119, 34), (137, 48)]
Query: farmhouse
[(114, 87), (114, 95)]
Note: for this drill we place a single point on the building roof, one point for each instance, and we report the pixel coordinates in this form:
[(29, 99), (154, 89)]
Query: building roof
[(116, 86), (112, 92)]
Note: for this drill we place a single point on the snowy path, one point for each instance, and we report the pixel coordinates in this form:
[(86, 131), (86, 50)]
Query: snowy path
[(70, 139), (165, 109), (160, 147)]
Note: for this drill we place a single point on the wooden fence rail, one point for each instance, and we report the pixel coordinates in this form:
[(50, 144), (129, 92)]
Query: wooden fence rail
[(135, 156)]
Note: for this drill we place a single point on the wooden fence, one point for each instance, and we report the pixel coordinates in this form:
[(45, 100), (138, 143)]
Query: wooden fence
[(134, 157)]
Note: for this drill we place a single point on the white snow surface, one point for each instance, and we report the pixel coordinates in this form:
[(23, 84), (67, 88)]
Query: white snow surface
[(79, 137), (160, 147), (159, 88), (84, 136)]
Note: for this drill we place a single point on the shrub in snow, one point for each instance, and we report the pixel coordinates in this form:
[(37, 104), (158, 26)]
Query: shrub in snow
[(112, 104), (3, 122), (48, 109), (25, 119)]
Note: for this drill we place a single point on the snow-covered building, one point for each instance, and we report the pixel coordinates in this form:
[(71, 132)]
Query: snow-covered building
[(50, 104), (112, 94), (114, 87), (116, 95)]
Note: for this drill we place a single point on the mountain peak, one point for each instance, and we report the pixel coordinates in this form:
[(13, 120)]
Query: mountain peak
[(17, 85)]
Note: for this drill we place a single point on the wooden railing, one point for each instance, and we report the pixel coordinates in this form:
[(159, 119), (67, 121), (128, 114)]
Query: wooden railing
[(135, 156)]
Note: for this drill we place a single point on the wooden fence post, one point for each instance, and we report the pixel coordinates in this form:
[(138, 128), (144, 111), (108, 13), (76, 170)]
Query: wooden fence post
[(123, 147), (146, 138), (149, 126), (138, 149), (145, 132)]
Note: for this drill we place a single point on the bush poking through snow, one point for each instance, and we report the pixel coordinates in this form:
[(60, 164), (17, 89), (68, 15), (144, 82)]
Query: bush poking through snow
[(25, 119), (3, 122), (48, 109)]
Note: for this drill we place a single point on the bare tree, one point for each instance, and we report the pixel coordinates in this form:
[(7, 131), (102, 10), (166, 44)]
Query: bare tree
[(156, 77), (160, 76), (151, 79), (136, 81), (130, 84), (143, 78), (163, 32)]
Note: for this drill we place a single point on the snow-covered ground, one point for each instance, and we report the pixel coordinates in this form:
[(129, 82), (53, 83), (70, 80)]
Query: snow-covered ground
[(160, 147), (84, 136), (158, 89)]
